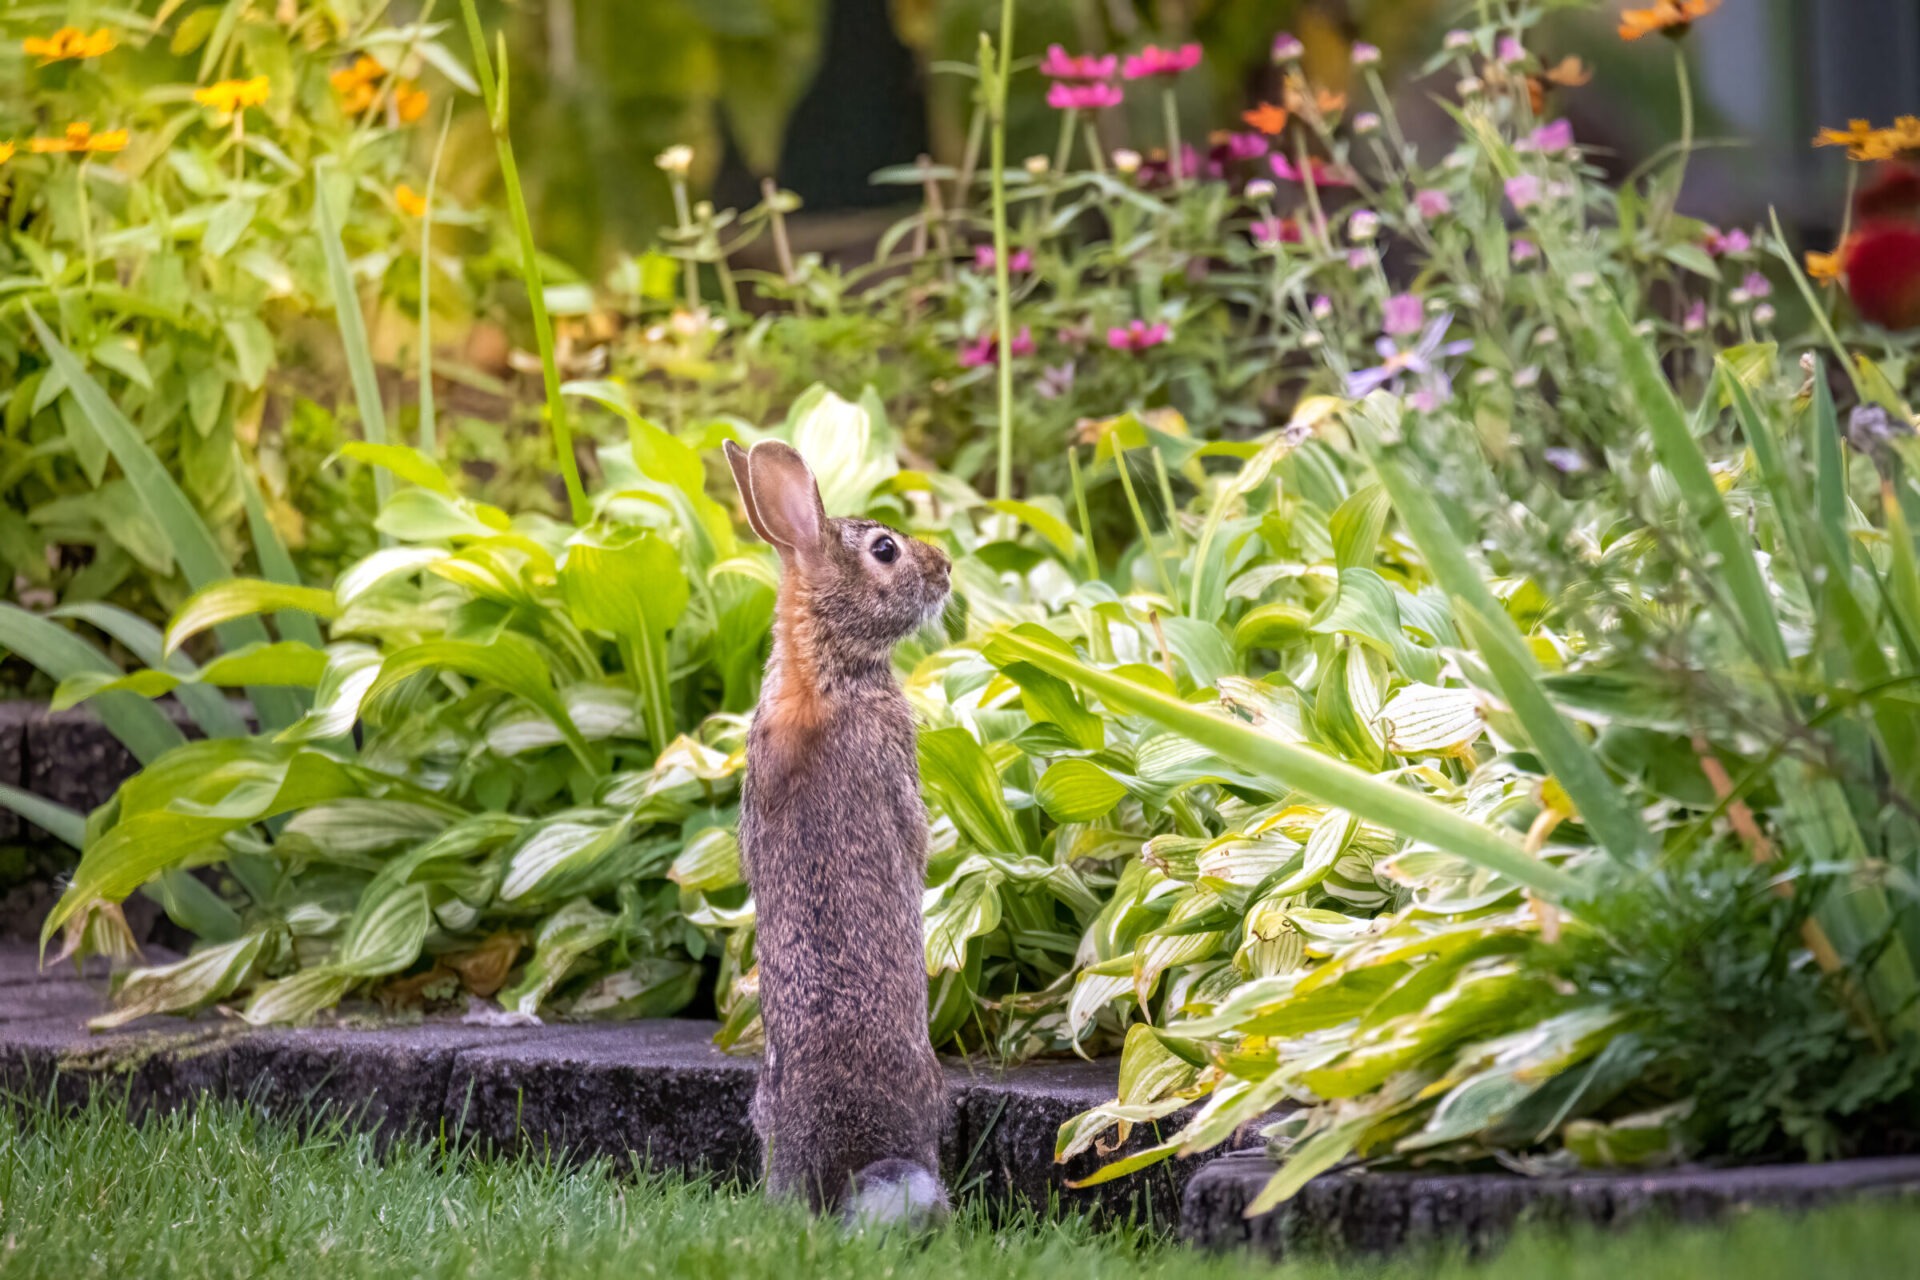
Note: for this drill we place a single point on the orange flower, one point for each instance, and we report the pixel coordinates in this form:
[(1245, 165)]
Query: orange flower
[(80, 137), (1864, 142), (1325, 101), (68, 43), (1569, 71), (411, 202), (1824, 267), (1667, 17), (409, 100), (357, 84), (229, 96), (1266, 117)]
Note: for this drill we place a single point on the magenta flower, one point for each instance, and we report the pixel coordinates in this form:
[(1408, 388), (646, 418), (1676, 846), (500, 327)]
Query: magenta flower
[(1138, 335), (1524, 191), (1719, 243), (1019, 260), (1432, 203), (1156, 172), (1063, 95), (1323, 174), (1061, 65), (1272, 231), (986, 349), (1510, 51), (1755, 286), (1524, 251), (1287, 47), (1550, 138), (1696, 317), (1402, 314), (1238, 146), (1155, 61)]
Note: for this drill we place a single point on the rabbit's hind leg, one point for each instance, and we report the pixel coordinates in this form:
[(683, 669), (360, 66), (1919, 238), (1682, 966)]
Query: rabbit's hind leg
[(895, 1193)]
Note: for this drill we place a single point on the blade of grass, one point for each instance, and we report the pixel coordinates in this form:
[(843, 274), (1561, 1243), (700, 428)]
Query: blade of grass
[(557, 414), (208, 706), (1604, 808), (993, 85), (139, 725), (1327, 780), (427, 428), (58, 821), (353, 327)]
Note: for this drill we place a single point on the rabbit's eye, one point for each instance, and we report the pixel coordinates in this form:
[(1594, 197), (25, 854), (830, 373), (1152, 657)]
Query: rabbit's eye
[(885, 550)]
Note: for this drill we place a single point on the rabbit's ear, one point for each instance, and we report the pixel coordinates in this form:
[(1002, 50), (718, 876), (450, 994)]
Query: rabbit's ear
[(737, 461), (785, 496)]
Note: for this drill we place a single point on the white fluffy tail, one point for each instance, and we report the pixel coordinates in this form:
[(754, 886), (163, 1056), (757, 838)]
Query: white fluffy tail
[(890, 1193)]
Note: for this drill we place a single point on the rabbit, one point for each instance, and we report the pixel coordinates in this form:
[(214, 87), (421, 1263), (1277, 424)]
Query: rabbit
[(833, 837)]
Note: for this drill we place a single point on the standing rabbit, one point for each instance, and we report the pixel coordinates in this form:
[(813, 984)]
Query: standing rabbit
[(834, 838)]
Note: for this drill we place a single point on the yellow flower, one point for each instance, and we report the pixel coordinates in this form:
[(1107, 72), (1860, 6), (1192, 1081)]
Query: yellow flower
[(229, 96), (1667, 17), (409, 100), (411, 202), (7, 150), (1824, 267), (675, 160), (1864, 142), (80, 137), (68, 43)]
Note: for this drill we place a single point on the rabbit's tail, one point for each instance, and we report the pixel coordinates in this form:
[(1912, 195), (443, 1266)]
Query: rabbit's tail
[(896, 1192)]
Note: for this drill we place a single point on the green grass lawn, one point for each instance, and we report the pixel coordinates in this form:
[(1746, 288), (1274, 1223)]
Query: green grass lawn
[(220, 1193)]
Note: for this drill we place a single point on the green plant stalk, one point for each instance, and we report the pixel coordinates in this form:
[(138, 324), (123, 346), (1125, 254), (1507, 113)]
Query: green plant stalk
[(557, 418), (683, 213), (1170, 117), (353, 330), (1095, 152), (996, 92), (1080, 506), (1685, 82), (86, 218), (427, 430), (1062, 153), (1166, 496), (1327, 780), (641, 661), (1140, 521)]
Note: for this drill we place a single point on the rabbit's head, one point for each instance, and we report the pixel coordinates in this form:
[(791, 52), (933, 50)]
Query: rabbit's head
[(856, 587)]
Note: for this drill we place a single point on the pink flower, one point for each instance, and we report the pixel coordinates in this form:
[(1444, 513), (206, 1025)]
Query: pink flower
[(1549, 138), (1403, 314), (1324, 174), (1719, 244), (1156, 172), (1510, 51), (1272, 231), (1238, 146), (1063, 95), (1432, 203), (1155, 61), (1524, 251), (1138, 335), (1524, 191), (1287, 47), (1061, 65), (1359, 259), (1755, 286), (986, 349), (1019, 260), (1364, 54), (1696, 317)]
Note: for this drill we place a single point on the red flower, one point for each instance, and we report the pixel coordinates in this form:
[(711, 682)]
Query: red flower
[(1155, 61), (1881, 259)]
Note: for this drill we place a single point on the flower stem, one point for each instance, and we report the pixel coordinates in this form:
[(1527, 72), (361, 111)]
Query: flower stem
[(1685, 83), (1094, 151), (1080, 505), (1170, 110), (86, 218), (1140, 520), (428, 432), (689, 269), (995, 81), (1062, 152), (530, 267)]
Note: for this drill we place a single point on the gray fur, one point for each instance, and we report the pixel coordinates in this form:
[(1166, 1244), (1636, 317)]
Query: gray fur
[(833, 835)]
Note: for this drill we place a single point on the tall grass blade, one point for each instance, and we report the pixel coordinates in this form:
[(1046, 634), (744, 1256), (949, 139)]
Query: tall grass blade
[(58, 821), (208, 706), (353, 328), (139, 725)]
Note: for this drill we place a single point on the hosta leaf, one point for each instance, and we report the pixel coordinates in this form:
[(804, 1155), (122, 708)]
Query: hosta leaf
[(510, 661), (407, 463), (960, 912), (1048, 525), (240, 598), (636, 590), (1075, 790), (569, 933), (849, 452), (1427, 720), (961, 778), (298, 997), (387, 935), (370, 571), (203, 977), (561, 844), (709, 862)]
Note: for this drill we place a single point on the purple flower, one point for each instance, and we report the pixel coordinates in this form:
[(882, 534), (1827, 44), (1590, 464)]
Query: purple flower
[(1018, 260), (1524, 190), (1524, 251), (1287, 47), (1054, 381), (1432, 203), (1323, 174), (1238, 146), (1432, 386), (1550, 138), (1061, 65), (1155, 61), (986, 349), (1272, 231), (1510, 51), (1563, 459), (1322, 306), (1359, 259), (1696, 317), (1719, 243), (1403, 314), (1065, 95), (1364, 54), (1138, 335), (1458, 40), (1755, 286)]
